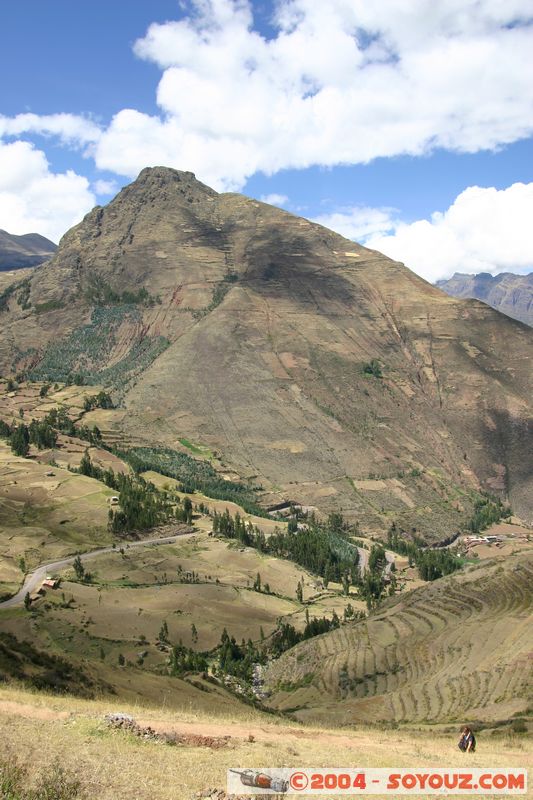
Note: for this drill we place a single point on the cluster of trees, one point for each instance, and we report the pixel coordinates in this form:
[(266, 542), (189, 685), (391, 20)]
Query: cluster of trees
[(431, 564), (193, 475), (239, 660), (185, 659), (100, 293), (43, 433), (286, 635), (373, 368), (20, 436), (316, 548), (487, 510), (321, 548), (141, 505), (100, 400), (184, 511)]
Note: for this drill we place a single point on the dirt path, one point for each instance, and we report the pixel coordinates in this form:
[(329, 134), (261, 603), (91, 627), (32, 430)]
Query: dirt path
[(35, 578), (12, 708), (236, 730)]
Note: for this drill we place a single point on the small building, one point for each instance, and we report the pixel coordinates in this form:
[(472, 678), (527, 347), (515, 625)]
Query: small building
[(50, 583)]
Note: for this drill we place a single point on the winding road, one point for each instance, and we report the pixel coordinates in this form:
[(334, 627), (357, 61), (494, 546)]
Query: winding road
[(34, 579)]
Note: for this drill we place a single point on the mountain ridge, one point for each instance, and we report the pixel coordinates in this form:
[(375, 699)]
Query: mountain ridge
[(253, 335), (507, 292), (26, 250)]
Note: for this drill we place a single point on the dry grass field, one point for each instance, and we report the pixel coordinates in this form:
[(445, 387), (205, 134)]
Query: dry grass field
[(45, 516), (134, 590), (112, 764)]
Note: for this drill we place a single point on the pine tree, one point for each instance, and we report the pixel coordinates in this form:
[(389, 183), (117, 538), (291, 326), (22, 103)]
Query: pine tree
[(20, 440), (79, 569)]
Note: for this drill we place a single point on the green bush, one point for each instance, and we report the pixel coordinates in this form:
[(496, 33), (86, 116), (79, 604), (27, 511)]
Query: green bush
[(373, 368)]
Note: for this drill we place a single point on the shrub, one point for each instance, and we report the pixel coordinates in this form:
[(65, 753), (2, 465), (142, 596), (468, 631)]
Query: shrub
[(373, 368)]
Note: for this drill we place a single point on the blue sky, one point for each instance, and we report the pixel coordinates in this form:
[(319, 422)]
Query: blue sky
[(410, 132)]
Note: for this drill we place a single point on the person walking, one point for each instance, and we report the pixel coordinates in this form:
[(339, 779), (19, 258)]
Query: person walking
[(467, 742)]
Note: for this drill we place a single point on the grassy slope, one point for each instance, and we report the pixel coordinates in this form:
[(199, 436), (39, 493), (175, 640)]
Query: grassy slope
[(111, 764)]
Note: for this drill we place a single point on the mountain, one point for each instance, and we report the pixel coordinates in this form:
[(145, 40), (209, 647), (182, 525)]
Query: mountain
[(452, 650), (317, 369), (508, 293), (28, 250)]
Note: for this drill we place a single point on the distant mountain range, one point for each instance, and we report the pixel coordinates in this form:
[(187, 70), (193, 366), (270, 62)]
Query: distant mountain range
[(28, 250), (511, 294)]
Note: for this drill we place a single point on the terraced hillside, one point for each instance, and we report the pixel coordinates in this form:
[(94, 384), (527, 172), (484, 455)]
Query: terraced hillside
[(460, 648)]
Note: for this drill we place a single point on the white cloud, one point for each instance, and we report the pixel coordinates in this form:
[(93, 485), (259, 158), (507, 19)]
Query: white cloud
[(106, 188), (337, 83), (275, 199), (69, 128), (484, 230), (341, 82), (34, 199), (359, 222)]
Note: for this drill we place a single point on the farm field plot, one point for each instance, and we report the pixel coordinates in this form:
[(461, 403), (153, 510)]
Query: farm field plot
[(128, 620), (44, 516), (216, 560), (458, 647)]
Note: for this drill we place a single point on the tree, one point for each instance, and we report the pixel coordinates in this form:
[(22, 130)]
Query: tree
[(27, 601), (86, 467), (299, 592), (79, 569), (257, 583), (187, 508), (163, 632), (194, 633), (20, 440), (121, 660), (22, 564), (5, 430)]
